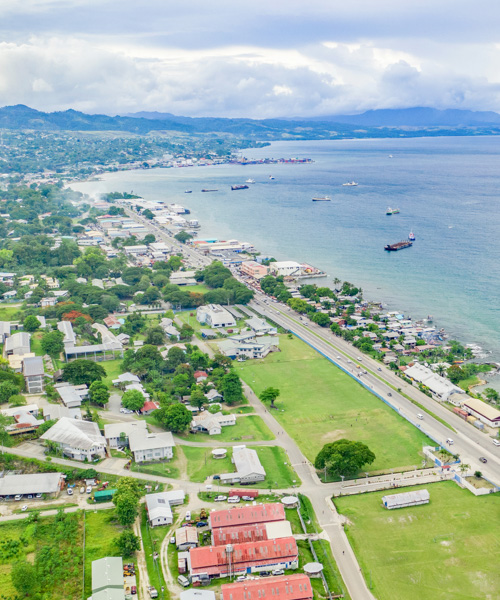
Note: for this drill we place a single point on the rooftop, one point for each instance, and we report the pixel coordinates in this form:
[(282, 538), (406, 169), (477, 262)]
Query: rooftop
[(38, 483), (246, 515), (75, 433), (138, 441), (290, 587)]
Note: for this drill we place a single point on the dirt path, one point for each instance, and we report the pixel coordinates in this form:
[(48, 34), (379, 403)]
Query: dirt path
[(141, 563), (182, 463)]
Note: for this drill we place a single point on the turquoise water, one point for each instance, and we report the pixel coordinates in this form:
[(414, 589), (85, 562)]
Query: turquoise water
[(448, 192)]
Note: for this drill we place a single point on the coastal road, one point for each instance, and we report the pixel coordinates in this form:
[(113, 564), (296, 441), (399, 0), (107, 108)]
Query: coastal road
[(468, 442)]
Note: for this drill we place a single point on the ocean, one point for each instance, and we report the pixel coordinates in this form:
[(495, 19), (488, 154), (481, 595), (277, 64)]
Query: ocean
[(447, 190)]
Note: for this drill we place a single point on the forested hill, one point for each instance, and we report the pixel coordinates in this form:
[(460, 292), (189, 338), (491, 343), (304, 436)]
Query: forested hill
[(22, 117)]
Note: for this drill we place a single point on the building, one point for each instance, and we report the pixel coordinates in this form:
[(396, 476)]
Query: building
[(194, 594), (17, 343), (212, 424), (49, 484), (159, 511), (4, 331), (34, 374), (254, 269), (117, 434), (288, 587), (487, 414), (57, 411), (66, 328), (126, 378), (107, 579), (248, 346), (154, 446), (213, 396), (79, 440), (186, 538), (406, 499), (439, 387), (247, 515), (251, 557), (72, 395), (286, 268), (248, 467), (256, 532), (215, 316), (261, 326)]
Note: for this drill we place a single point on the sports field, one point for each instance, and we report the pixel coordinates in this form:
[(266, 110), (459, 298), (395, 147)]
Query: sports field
[(449, 548), (319, 403)]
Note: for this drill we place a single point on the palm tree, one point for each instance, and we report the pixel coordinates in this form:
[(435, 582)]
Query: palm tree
[(464, 468)]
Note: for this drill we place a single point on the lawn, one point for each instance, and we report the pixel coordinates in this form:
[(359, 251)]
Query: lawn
[(10, 313), (152, 538), (319, 403), (9, 536), (101, 532), (36, 345), (113, 369), (251, 428), (162, 468), (200, 288), (449, 548), (201, 465), (189, 317)]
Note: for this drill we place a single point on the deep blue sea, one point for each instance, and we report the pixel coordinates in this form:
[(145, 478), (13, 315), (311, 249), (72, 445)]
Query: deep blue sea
[(447, 190)]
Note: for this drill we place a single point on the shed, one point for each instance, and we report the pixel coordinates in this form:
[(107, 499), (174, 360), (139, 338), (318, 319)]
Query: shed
[(104, 495), (406, 499)]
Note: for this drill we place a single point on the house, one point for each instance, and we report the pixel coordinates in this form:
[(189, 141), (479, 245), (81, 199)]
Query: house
[(9, 295), (149, 407), (66, 328), (7, 278), (207, 422), (31, 409), (112, 322), (487, 414), (261, 326), (186, 538), (159, 511), (113, 432), (289, 587), (251, 557), (48, 301), (254, 269), (79, 440), (200, 376), (213, 396), (123, 338), (53, 412), (126, 378), (107, 579), (248, 346), (17, 343), (440, 387), (247, 515), (154, 446), (34, 374), (49, 484), (256, 532), (4, 331), (215, 316), (248, 467), (287, 268), (71, 395)]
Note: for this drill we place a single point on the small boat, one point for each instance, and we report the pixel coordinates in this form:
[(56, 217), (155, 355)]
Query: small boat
[(271, 177), (321, 199), (411, 236), (391, 156), (250, 181), (188, 192), (392, 211), (209, 190), (350, 184), (239, 187)]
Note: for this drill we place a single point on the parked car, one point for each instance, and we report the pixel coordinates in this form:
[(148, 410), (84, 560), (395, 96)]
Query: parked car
[(188, 515), (483, 459), (172, 540), (152, 592), (247, 498), (89, 489), (216, 477), (184, 581), (220, 498), (278, 572), (18, 497), (233, 499), (201, 524), (24, 508), (133, 590), (38, 496)]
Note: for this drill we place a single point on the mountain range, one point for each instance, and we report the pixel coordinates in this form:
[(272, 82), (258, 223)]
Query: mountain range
[(409, 122)]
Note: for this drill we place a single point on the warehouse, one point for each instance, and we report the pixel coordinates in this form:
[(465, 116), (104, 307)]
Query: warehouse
[(38, 483), (406, 499), (107, 579), (248, 467), (251, 533), (252, 557), (484, 412), (290, 587)]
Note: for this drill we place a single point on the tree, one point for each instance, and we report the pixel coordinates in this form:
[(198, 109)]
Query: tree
[(31, 323), (183, 237), (186, 332), (322, 319), (174, 417), (149, 238), (155, 336), (464, 467), (128, 543), (298, 305), (344, 457), (133, 400), (491, 394), (52, 343), (231, 388), (99, 393), (126, 508), (269, 395), (455, 373), (197, 397), (24, 577), (7, 390), (83, 371), (127, 485)]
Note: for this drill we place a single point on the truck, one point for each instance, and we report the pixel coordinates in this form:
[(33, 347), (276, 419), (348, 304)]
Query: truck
[(152, 592)]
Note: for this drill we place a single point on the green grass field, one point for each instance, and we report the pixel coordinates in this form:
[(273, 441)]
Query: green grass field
[(251, 428), (189, 317), (113, 369), (9, 534), (201, 465), (449, 548), (152, 538), (36, 346), (320, 404), (201, 288), (10, 313)]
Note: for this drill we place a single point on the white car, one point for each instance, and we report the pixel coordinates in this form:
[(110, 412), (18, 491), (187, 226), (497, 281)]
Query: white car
[(89, 489), (188, 515), (24, 508), (70, 492)]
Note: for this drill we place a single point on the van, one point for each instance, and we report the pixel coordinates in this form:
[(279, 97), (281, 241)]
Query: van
[(233, 500), (420, 416), (184, 581), (496, 442), (449, 441)]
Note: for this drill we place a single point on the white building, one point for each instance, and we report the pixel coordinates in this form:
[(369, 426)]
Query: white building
[(79, 440), (261, 326), (66, 328), (72, 395), (159, 506), (17, 343), (154, 446), (439, 387), (113, 432), (406, 499), (248, 467), (484, 412), (215, 316), (286, 268), (212, 424)]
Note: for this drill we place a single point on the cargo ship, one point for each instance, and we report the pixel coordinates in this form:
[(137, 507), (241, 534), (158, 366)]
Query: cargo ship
[(398, 246), (239, 187), (209, 190), (321, 199)]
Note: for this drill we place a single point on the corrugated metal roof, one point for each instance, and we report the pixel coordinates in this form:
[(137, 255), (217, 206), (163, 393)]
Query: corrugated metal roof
[(246, 515), (290, 587), (406, 498), (38, 483)]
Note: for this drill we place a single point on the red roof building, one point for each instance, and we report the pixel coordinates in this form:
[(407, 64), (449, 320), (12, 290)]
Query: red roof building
[(252, 557), (149, 407), (198, 374), (222, 536), (247, 515), (291, 587)]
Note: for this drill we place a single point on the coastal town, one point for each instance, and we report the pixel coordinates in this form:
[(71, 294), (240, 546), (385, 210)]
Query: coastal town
[(150, 381)]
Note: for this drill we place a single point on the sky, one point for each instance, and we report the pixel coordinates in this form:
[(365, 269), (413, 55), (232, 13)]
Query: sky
[(258, 59)]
